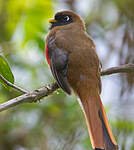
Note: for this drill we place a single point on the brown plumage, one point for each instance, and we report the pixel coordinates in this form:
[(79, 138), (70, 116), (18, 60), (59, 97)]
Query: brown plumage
[(72, 57)]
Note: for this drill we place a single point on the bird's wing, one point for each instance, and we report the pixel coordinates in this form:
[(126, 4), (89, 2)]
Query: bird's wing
[(59, 65)]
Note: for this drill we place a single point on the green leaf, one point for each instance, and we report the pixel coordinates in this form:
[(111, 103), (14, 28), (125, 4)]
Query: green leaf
[(5, 71)]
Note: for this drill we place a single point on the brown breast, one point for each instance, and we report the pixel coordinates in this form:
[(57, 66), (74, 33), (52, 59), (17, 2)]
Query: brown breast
[(83, 64)]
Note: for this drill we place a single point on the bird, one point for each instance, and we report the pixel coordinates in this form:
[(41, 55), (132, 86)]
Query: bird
[(75, 65)]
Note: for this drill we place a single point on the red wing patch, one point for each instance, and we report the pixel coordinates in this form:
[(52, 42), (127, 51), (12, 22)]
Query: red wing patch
[(46, 53)]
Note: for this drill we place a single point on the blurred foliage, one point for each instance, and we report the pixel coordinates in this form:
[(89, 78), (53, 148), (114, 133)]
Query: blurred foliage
[(58, 122)]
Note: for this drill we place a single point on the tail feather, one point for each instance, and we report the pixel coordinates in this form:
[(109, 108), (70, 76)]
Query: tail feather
[(108, 137), (100, 133)]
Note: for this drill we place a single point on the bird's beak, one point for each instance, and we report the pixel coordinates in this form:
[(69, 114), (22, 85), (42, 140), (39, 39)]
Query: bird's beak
[(51, 20)]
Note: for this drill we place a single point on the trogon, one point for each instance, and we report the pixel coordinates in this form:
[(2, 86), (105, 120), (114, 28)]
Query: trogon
[(71, 55)]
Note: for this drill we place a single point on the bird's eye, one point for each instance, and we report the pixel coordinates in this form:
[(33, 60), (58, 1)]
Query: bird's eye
[(66, 18)]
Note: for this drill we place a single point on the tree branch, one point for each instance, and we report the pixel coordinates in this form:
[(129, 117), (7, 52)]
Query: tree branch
[(47, 90), (127, 68), (30, 97), (12, 85)]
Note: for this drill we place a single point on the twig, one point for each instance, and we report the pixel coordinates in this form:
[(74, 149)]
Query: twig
[(45, 91), (30, 97), (12, 85), (127, 68)]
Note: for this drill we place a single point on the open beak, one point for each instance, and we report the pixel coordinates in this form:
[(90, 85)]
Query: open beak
[(51, 20)]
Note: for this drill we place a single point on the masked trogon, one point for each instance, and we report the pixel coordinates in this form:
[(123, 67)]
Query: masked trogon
[(71, 55)]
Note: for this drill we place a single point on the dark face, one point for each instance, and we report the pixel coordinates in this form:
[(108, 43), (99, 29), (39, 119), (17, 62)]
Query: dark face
[(60, 20)]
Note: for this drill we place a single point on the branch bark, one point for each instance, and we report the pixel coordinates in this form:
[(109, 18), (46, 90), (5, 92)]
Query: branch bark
[(127, 68), (30, 97), (12, 85), (47, 90)]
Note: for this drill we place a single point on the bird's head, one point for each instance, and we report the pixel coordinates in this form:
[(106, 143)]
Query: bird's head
[(66, 19)]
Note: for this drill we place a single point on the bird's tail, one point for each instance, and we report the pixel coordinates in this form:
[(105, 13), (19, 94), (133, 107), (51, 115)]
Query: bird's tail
[(99, 130)]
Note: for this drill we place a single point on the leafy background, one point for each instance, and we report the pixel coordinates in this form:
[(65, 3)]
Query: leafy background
[(57, 123)]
